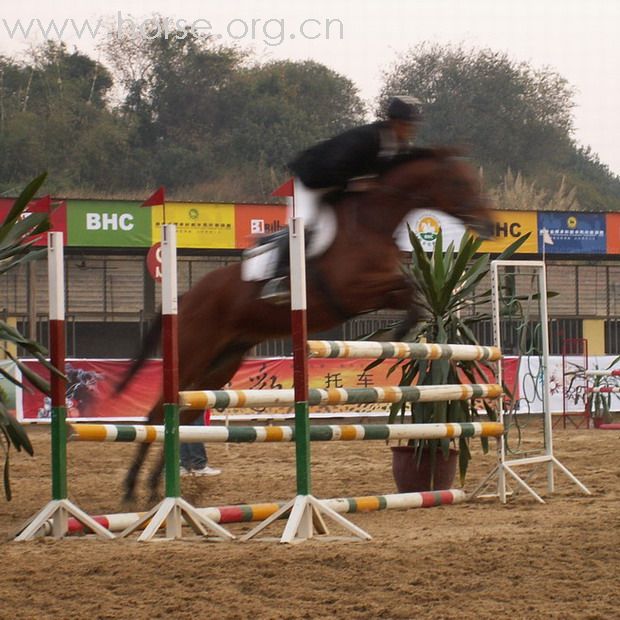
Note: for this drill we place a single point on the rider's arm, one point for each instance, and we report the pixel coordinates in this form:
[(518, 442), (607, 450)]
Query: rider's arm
[(334, 162)]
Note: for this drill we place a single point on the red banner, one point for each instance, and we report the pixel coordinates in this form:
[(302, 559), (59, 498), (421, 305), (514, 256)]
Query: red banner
[(613, 233), (91, 385), (58, 218), (253, 221)]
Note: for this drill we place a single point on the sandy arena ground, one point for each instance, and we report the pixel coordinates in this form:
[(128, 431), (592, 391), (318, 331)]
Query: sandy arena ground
[(478, 560)]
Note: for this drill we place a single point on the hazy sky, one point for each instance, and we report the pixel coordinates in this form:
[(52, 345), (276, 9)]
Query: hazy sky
[(577, 38)]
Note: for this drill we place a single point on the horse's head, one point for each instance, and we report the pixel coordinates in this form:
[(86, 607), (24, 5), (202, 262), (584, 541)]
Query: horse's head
[(442, 179)]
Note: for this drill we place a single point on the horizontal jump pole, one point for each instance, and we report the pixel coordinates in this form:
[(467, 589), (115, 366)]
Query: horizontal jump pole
[(604, 390), (401, 350), (263, 434), (258, 512), (602, 373), (220, 399)]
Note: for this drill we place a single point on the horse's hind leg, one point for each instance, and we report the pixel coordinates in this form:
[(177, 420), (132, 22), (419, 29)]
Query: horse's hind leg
[(155, 476), (132, 474)]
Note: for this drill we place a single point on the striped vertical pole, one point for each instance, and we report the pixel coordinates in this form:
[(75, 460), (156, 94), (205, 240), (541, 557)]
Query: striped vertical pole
[(56, 287), (170, 353), (300, 359), (171, 509), (58, 510)]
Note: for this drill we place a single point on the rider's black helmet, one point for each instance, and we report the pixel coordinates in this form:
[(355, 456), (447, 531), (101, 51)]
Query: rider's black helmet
[(405, 108)]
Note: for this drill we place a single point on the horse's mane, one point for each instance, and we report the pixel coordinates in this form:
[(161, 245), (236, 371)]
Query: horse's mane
[(424, 152)]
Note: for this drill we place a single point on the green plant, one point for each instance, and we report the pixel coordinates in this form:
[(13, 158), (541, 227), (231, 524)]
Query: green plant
[(450, 294), (598, 404), (18, 234)]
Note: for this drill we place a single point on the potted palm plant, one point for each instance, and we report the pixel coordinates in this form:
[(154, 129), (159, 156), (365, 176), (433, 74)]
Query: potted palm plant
[(454, 302)]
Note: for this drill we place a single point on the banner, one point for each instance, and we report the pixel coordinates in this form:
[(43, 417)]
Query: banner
[(91, 385), (252, 221), (90, 393), (573, 233), (426, 224), (613, 233), (11, 394), (199, 225), (510, 226), (58, 218), (108, 223)]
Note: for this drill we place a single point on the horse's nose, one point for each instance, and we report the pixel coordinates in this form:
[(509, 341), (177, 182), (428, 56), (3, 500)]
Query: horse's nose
[(483, 228)]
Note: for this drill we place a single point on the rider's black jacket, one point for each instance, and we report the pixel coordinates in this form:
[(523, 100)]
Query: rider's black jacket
[(365, 150)]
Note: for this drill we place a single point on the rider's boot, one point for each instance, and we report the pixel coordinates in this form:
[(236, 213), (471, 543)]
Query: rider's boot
[(276, 291)]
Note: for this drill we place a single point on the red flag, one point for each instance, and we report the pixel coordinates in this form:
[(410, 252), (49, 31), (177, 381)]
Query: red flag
[(156, 199), (42, 205), (286, 189)]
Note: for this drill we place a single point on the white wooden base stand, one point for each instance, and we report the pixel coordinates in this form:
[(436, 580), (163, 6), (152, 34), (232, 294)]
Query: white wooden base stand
[(170, 512), (507, 467), (305, 520), (59, 511)]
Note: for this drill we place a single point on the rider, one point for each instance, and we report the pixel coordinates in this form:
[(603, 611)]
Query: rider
[(349, 161)]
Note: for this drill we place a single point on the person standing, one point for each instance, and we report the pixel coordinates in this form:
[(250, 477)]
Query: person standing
[(194, 460)]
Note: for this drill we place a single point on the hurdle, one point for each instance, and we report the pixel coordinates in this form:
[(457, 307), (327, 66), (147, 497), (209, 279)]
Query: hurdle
[(602, 373), (173, 507), (246, 513), (219, 399), (604, 390), (401, 350), (58, 510), (535, 272), (272, 434)]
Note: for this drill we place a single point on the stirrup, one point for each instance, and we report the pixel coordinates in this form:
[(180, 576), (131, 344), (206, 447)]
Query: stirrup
[(276, 291)]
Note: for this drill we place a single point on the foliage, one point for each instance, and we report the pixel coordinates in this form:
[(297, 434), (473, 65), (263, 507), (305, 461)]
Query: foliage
[(17, 236), (508, 114), (448, 286), (210, 121), (516, 193), (598, 403)]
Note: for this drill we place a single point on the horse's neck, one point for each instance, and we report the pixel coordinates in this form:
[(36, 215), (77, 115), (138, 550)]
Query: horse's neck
[(376, 211)]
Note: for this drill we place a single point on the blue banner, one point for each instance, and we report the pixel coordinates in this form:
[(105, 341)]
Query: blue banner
[(572, 233)]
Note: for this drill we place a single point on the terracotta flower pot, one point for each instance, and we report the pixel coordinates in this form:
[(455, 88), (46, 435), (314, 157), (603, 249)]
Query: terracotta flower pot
[(411, 476)]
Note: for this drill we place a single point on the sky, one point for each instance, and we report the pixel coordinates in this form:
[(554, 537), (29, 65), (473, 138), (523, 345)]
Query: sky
[(361, 39)]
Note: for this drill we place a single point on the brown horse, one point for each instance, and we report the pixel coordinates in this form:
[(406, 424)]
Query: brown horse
[(221, 318)]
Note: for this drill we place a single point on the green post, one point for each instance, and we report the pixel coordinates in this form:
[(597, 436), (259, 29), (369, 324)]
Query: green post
[(171, 449), (302, 448), (59, 453)]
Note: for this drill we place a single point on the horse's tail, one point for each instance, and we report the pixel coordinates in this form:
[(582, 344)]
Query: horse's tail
[(148, 349)]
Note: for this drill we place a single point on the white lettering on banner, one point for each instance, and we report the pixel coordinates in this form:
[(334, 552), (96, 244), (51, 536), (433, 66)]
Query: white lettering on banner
[(109, 221), (125, 221)]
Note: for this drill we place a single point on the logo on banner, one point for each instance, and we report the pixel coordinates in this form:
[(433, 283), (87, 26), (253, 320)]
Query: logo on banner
[(153, 261), (571, 222), (427, 228), (257, 227)]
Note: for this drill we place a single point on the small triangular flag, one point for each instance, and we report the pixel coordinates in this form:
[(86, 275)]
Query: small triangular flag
[(41, 205), (286, 189), (155, 199), (547, 240)]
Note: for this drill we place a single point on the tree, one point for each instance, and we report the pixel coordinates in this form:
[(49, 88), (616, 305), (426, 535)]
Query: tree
[(508, 114), (271, 111)]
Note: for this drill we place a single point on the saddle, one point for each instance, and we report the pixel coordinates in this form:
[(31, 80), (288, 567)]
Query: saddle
[(269, 258)]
